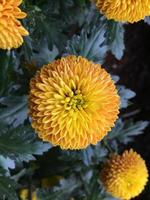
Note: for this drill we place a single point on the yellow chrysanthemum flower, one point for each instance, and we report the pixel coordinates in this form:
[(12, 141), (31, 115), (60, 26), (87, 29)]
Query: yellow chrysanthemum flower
[(124, 10), (24, 194), (125, 176), (11, 30), (73, 102)]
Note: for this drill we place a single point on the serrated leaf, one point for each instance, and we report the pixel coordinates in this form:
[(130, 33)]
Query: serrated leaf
[(7, 187), (133, 129), (14, 110), (115, 37), (44, 55), (125, 131), (93, 154), (6, 163), (126, 95), (20, 143), (48, 27), (89, 44)]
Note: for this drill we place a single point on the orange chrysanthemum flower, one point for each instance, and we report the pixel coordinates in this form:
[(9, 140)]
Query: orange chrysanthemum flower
[(125, 176), (124, 10), (73, 102), (11, 30)]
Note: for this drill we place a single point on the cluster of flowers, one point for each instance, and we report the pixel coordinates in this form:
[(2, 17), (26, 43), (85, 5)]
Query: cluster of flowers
[(46, 183), (74, 102), (11, 29)]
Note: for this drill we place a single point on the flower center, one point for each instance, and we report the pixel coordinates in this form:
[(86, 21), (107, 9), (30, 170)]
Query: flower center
[(75, 102)]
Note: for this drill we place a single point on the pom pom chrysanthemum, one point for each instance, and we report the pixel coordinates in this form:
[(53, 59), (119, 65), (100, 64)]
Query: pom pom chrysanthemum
[(73, 102), (11, 30), (125, 176), (124, 10)]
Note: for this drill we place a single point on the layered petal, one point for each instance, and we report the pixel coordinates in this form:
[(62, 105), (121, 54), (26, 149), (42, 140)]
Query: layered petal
[(73, 102), (11, 29), (124, 10), (125, 176)]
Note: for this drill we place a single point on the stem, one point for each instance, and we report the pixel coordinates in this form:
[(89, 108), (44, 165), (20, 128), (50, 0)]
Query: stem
[(108, 146), (85, 188)]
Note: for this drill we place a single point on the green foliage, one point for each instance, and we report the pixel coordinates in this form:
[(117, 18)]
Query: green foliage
[(83, 187), (6, 163), (58, 28), (94, 154), (20, 143), (90, 44), (4, 60), (6, 72), (126, 95), (44, 55), (7, 187), (124, 132), (62, 191), (115, 38), (13, 110), (95, 39), (147, 20)]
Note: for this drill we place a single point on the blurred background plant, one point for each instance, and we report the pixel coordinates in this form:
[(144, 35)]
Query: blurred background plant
[(29, 168)]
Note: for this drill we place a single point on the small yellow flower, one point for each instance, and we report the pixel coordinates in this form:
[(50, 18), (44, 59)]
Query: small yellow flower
[(73, 102), (124, 10), (125, 176), (34, 196), (11, 29), (24, 194)]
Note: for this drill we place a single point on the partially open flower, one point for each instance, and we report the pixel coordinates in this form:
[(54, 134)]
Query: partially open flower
[(73, 103), (125, 176), (11, 29), (124, 10)]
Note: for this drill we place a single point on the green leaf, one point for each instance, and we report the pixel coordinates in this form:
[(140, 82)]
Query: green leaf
[(27, 48), (6, 163), (7, 187), (46, 26), (44, 55), (89, 44), (94, 154), (14, 110), (147, 20), (63, 191), (4, 60), (126, 95), (115, 38), (20, 143), (125, 131)]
